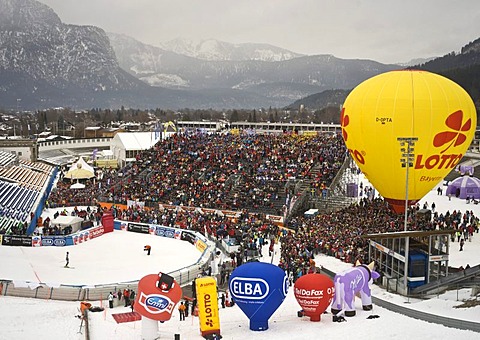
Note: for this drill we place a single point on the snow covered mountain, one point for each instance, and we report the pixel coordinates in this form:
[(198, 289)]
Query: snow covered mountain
[(280, 81), (46, 63), (215, 50), (44, 60)]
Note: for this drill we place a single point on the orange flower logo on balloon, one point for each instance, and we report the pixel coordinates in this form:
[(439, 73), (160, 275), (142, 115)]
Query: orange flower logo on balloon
[(344, 121), (456, 137)]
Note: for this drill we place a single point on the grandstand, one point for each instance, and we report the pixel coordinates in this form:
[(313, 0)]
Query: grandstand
[(22, 185), (278, 169), (260, 173), (279, 127), (260, 127), (6, 158), (208, 126)]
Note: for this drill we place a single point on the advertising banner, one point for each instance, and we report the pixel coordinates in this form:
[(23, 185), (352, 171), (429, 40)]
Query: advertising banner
[(83, 236), (123, 225), (16, 240), (188, 236), (69, 240), (200, 245), (36, 241), (135, 204), (178, 234), (56, 241), (96, 232), (277, 220), (164, 231), (207, 302), (138, 228)]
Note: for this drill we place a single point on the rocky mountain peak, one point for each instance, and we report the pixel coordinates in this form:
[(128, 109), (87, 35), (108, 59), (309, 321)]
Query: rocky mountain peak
[(18, 15)]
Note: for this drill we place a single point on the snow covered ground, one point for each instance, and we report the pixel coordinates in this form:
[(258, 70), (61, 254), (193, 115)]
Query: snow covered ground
[(119, 257)]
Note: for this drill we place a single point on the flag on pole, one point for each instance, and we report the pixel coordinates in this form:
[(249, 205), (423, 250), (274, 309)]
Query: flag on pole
[(157, 131)]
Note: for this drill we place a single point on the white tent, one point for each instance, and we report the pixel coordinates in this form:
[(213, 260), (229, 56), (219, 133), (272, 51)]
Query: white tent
[(77, 186), (64, 221), (126, 145), (80, 170)]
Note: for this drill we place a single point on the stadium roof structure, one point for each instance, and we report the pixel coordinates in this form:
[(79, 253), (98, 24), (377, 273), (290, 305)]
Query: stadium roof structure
[(137, 140)]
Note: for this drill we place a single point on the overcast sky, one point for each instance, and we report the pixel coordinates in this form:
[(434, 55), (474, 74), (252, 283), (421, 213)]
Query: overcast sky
[(383, 30)]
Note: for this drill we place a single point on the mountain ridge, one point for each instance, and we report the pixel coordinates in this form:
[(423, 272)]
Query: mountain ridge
[(282, 81), (47, 63), (216, 50)]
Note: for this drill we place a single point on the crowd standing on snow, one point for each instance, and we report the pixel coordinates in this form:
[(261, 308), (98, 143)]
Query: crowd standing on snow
[(339, 234)]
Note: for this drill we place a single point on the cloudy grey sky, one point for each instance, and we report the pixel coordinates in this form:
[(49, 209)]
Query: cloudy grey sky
[(383, 30)]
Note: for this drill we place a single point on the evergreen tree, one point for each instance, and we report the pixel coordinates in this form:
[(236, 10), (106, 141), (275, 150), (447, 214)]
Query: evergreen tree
[(234, 116)]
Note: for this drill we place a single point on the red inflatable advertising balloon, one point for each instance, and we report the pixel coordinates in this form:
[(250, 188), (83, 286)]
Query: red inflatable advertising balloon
[(314, 293), (157, 296)]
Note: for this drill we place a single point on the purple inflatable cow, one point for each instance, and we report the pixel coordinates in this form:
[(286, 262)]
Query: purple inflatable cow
[(350, 282)]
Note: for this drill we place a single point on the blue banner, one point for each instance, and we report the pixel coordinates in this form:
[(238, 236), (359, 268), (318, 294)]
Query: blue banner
[(56, 241), (164, 231)]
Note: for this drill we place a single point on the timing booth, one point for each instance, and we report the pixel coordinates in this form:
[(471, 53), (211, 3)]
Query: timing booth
[(409, 259)]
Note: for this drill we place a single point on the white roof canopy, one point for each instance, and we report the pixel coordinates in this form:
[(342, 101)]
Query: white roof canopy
[(65, 221), (80, 170)]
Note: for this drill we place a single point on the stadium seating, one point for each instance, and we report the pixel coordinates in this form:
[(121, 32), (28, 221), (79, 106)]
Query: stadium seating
[(20, 187), (6, 158)]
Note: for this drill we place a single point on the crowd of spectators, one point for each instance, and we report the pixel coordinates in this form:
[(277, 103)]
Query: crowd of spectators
[(19, 228), (49, 227), (339, 234), (220, 171), (245, 173)]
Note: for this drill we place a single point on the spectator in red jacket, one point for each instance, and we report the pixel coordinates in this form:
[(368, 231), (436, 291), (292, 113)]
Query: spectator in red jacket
[(126, 297)]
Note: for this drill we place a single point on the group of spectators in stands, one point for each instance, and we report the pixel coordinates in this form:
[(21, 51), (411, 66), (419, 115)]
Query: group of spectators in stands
[(19, 228), (220, 171)]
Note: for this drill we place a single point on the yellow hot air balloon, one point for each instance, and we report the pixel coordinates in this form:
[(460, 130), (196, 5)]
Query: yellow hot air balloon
[(406, 130)]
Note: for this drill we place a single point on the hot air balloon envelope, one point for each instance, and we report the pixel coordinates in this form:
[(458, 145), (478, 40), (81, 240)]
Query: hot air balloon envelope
[(407, 123)]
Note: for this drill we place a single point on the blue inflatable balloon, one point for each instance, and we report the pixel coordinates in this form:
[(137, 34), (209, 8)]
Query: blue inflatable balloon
[(258, 288)]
